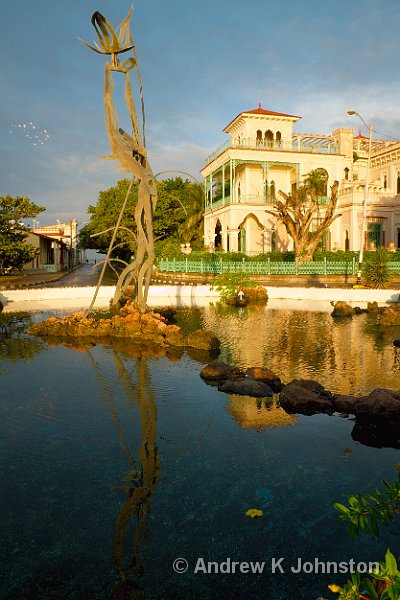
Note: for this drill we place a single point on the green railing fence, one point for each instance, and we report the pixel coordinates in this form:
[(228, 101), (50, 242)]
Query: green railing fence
[(266, 267)]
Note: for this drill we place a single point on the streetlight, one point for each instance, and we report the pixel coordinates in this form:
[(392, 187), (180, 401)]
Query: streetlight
[(364, 215)]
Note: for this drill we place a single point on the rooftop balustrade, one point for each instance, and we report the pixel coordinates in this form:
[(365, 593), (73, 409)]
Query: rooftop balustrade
[(299, 143)]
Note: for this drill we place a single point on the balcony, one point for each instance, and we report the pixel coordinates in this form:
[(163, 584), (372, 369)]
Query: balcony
[(254, 199), (299, 143)]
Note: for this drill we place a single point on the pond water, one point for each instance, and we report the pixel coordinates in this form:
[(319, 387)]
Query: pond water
[(115, 463)]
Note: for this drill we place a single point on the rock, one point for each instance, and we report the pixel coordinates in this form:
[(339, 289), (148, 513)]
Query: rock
[(203, 340), (147, 329), (396, 343), (217, 371), (257, 295), (1, 306), (266, 376), (380, 403), (359, 311), (342, 309), (306, 397), (372, 307), (344, 404), (246, 387), (389, 316)]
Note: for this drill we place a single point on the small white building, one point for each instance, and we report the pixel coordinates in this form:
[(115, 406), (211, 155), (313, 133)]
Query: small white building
[(263, 155), (65, 233), (52, 254)]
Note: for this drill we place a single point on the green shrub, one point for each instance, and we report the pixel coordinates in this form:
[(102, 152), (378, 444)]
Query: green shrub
[(376, 268), (229, 285)]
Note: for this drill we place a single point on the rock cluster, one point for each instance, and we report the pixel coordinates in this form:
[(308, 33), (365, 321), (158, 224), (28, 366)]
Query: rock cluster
[(143, 329), (310, 397), (377, 415), (256, 382), (386, 315)]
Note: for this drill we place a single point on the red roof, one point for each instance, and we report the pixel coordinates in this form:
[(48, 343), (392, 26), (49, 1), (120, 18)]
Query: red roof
[(360, 136), (262, 111)]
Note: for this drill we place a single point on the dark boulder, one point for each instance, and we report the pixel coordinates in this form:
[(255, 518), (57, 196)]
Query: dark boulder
[(396, 343), (217, 371), (379, 403), (306, 397), (266, 376), (342, 309), (344, 404), (1, 306), (246, 387)]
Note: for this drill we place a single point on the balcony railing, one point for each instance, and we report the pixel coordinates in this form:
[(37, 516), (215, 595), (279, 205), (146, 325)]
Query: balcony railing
[(242, 199), (255, 199), (317, 146)]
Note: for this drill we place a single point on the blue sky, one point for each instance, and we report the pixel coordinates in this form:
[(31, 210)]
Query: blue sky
[(201, 63)]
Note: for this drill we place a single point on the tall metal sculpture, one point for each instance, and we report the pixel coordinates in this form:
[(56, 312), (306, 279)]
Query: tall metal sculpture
[(130, 151)]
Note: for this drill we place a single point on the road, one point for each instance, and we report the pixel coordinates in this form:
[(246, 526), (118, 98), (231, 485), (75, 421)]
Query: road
[(86, 275)]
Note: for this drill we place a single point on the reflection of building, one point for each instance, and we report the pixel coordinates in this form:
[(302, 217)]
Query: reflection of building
[(262, 156), (65, 233), (259, 413), (52, 254)]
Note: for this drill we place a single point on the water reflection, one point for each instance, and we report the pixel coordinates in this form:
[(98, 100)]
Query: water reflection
[(259, 413), (14, 344), (141, 478), (351, 356)]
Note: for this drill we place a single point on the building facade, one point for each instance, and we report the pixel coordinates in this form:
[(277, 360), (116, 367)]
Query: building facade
[(65, 236), (52, 254), (263, 156)]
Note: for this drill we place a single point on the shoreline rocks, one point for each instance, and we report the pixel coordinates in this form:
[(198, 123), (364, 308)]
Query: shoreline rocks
[(143, 329), (376, 415), (385, 315)]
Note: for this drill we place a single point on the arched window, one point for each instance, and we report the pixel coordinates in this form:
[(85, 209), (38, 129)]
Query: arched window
[(384, 182), (273, 196), (346, 241), (278, 137), (346, 173), (218, 235), (398, 183), (259, 137), (269, 138)]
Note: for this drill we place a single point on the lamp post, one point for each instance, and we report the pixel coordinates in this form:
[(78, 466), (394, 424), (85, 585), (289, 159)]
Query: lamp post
[(364, 214)]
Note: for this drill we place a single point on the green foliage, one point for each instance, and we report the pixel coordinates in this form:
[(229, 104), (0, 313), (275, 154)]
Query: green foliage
[(168, 248), (376, 268), (14, 251), (366, 512), (229, 285), (383, 583), (178, 215)]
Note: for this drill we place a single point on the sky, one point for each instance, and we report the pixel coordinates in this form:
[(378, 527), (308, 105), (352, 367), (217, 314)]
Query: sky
[(202, 63)]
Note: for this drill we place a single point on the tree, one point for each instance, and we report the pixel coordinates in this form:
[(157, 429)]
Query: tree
[(14, 252), (178, 215), (302, 216)]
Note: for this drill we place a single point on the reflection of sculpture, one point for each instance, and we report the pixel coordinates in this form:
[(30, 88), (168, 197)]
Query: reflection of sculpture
[(141, 479), (131, 153)]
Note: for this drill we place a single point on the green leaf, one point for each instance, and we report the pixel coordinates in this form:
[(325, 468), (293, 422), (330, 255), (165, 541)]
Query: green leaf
[(391, 564)]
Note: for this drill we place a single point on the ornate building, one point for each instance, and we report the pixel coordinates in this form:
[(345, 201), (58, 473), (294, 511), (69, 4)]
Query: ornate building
[(263, 156)]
